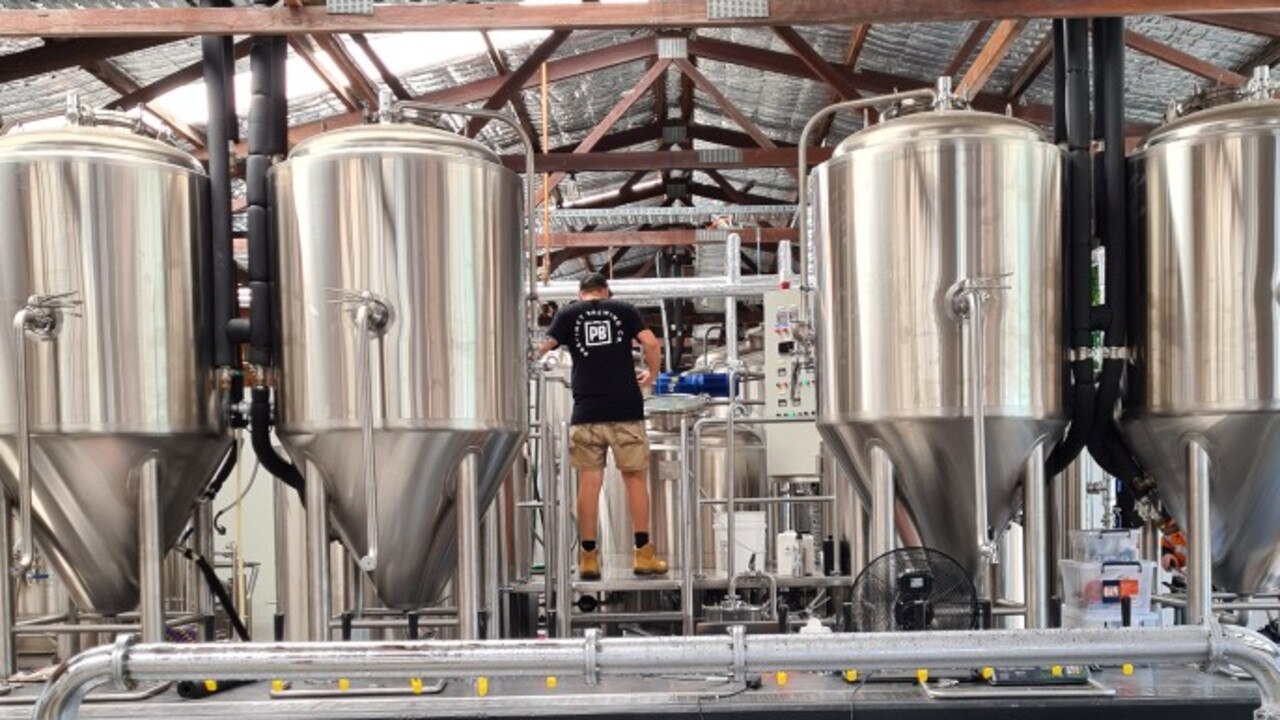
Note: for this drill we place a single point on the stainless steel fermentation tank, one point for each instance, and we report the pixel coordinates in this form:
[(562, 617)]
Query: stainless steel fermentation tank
[(1207, 369), (105, 260), (918, 219), (402, 338)]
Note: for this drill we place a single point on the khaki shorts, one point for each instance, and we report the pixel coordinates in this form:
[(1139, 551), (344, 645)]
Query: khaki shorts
[(588, 444)]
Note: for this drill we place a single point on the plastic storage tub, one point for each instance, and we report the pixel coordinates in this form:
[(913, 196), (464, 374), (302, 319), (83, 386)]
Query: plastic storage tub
[(1100, 587), (1106, 545)]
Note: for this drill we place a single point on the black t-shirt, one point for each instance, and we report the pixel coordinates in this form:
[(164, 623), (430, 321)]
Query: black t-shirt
[(598, 334)]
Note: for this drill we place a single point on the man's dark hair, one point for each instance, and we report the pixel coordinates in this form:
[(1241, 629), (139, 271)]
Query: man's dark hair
[(593, 283)]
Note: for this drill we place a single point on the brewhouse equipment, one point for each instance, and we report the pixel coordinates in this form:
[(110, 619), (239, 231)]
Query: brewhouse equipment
[(402, 339), (109, 405), (1204, 394), (938, 341)]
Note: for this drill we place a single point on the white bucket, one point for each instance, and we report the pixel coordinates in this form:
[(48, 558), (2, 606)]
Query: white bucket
[(748, 539)]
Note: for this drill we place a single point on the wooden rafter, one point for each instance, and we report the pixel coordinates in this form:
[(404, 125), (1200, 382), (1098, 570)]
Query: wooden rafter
[(1181, 60), (517, 100), (174, 80), (515, 81), (1032, 68), (857, 41), (621, 139), (726, 106), (305, 47), (1263, 23), (739, 196), (830, 74), (181, 21), (113, 76), (393, 83), (356, 79), (654, 74), (966, 50), (479, 90), (726, 136), (729, 190), (59, 55), (989, 58)]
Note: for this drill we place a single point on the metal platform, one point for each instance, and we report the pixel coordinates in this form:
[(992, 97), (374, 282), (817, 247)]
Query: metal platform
[(1172, 693)]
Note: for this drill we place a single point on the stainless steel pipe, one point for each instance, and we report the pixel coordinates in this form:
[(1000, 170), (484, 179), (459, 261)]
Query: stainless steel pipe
[(882, 503), (1035, 540), (317, 510), (1199, 536), (563, 556), (8, 653), (736, 653), (468, 587), (150, 553)]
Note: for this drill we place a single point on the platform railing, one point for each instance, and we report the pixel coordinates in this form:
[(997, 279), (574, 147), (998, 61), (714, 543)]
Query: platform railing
[(126, 663)]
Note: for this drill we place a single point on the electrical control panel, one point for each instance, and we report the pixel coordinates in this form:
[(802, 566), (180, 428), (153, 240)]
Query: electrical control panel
[(790, 390)]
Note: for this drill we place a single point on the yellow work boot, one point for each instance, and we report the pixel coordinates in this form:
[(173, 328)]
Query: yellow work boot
[(589, 564), (647, 562)]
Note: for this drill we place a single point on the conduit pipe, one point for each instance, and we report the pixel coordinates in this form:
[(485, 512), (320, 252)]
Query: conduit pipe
[(127, 663), (669, 288)]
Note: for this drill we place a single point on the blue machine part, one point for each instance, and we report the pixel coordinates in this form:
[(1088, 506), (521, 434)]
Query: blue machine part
[(711, 384)]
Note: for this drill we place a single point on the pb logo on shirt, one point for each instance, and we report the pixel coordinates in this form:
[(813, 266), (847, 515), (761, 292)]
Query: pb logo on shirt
[(598, 332)]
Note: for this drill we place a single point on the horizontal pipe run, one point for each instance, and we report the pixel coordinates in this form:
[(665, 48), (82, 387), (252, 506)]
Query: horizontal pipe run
[(668, 288), (372, 624), (673, 616), (594, 657), (789, 499)]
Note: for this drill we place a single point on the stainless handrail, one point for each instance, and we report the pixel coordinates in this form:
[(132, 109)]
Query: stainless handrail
[(593, 657)]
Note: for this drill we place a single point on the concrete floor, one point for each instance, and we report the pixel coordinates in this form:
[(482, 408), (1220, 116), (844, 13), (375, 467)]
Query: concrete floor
[(1165, 693)]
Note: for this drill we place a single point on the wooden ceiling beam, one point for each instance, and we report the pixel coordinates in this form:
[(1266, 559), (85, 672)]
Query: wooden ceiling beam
[(517, 101), (60, 55), (360, 84), (174, 80), (392, 81), (306, 49), (990, 57), (829, 74), (654, 74), (1032, 68), (514, 82), (1181, 60), (1266, 24), (724, 103), (621, 139), (113, 76), (857, 41), (561, 69), (970, 44), (397, 17)]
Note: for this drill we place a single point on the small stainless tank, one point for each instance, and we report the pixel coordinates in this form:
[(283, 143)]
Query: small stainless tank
[(112, 227), (424, 228), (1208, 325), (905, 213)]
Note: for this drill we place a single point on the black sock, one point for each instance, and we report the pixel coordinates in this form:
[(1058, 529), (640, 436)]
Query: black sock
[(642, 539), (588, 545)]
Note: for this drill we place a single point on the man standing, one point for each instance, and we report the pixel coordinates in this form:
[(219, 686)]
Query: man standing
[(608, 412)]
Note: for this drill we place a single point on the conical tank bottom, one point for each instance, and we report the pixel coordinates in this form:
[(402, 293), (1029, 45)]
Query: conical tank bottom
[(1244, 486), (85, 504), (417, 510), (933, 458)]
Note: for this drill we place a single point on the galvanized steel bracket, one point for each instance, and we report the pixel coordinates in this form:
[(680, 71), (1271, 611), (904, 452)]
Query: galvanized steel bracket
[(737, 9)]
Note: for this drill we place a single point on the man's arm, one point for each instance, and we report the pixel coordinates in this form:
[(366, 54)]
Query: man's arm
[(652, 357), (547, 346)]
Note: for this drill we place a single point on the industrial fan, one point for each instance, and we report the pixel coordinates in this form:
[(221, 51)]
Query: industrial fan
[(914, 589)]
